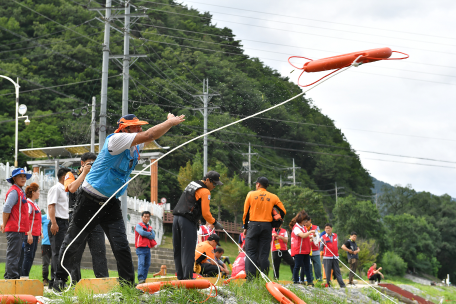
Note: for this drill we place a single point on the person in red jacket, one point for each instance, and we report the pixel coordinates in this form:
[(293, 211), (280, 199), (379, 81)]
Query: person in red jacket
[(279, 250), (15, 221), (373, 274), (144, 241), (300, 246), (315, 256), (331, 255), (32, 237)]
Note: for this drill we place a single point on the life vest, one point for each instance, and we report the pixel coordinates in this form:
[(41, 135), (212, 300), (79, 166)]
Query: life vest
[(141, 241), (331, 245), (188, 206), (239, 264), (35, 219), (242, 239), (298, 244), (279, 244), (206, 233), (370, 272), (205, 248), (110, 172), (18, 220)]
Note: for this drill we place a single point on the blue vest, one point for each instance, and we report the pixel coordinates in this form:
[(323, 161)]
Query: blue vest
[(110, 172)]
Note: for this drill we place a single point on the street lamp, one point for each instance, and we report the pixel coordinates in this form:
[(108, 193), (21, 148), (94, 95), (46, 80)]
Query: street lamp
[(22, 111)]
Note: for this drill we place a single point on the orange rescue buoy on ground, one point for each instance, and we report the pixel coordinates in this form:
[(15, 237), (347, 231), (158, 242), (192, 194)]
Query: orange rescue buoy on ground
[(18, 298), (240, 275), (341, 61), (188, 284), (283, 295)]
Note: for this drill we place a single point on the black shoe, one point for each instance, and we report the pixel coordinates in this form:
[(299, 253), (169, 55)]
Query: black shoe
[(50, 284), (45, 282), (59, 285)]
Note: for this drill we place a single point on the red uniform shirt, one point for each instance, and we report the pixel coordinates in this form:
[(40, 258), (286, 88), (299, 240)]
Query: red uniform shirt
[(35, 219), (18, 220), (276, 242), (299, 245)]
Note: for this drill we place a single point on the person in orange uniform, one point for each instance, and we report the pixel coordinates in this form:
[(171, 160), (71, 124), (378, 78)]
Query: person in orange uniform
[(191, 207), (206, 249), (257, 222)]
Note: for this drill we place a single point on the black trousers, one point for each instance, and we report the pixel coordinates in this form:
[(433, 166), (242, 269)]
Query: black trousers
[(110, 219), (46, 255), (285, 255), (376, 277), (184, 244), (57, 241), (209, 270), (96, 241), (257, 246)]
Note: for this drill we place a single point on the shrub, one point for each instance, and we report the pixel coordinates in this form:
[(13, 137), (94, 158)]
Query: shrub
[(393, 264)]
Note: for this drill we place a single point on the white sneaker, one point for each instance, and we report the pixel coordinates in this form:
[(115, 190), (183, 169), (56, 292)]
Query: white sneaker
[(376, 283)]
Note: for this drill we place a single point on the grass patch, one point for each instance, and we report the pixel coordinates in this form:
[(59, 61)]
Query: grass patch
[(254, 290)]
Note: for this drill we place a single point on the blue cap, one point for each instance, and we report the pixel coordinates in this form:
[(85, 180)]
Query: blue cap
[(18, 171)]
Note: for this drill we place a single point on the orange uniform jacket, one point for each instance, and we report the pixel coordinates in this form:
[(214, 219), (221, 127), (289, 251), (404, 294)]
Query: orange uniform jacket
[(205, 196), (206, 248), (258, 206)]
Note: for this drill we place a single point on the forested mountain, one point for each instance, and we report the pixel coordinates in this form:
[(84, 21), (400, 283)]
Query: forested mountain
[(183, 47)]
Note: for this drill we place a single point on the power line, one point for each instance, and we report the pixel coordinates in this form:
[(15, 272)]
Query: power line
[(305, 25), (61, 85), (301, 18), (55, 21), (298, 32)]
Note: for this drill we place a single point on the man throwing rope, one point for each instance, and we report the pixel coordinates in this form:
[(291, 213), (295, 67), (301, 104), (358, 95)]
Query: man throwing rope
[(111, 170)]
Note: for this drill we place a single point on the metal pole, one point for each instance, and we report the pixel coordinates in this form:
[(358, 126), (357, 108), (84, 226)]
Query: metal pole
[(281, 181), (205, 114), (17, 123), (126, 78), (56, 168), (104, 77), (92, 127), (336, 192), (294, 173)]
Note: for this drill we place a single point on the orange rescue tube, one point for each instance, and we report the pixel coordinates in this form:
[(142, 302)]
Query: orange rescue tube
[(18, 298), (283, 295), (340, 61), (188, 284), (240, 275)]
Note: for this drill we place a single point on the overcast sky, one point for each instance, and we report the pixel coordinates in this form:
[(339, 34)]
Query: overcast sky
[(397, 107)]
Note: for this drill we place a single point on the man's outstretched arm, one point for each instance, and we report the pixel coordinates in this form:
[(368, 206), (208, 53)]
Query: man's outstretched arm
[(157, 131)]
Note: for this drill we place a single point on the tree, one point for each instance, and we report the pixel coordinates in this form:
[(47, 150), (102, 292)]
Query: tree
[(360, 216), (191, 171), (234, 193), (295, 199)]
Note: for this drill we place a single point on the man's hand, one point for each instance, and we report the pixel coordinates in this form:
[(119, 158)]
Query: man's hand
[(175, 120), (54, 228), (86, 169), (245, 232), (2, 229), (30, 239), (380, 268), (218, 226)]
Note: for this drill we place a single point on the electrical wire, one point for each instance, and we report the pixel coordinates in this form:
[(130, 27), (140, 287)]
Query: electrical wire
[(55, 21), (61, 85)]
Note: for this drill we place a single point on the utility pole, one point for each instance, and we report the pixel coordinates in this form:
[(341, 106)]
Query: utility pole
[(294, 172), (125, 70), (280, 181), (92, 126), (336, 192), (248, 165), (205, 110)]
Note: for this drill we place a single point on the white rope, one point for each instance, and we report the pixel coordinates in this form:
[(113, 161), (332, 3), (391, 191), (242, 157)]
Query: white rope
[(273, 267), (186, 143), (218, 266), (357, 274)]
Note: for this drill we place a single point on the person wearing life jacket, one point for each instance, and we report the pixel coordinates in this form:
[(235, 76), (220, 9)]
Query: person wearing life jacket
[(96, 238), (257, 222), (144, 241), (111, 170), (241, 240), (205, 231), (331, 255), (300, 246), (191, 207), (315, 253), (238, 265), (15, 221), (279, 247), (32, 237), (209, 267)]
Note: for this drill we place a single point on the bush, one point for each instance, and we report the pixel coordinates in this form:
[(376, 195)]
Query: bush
[(393, 264)]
